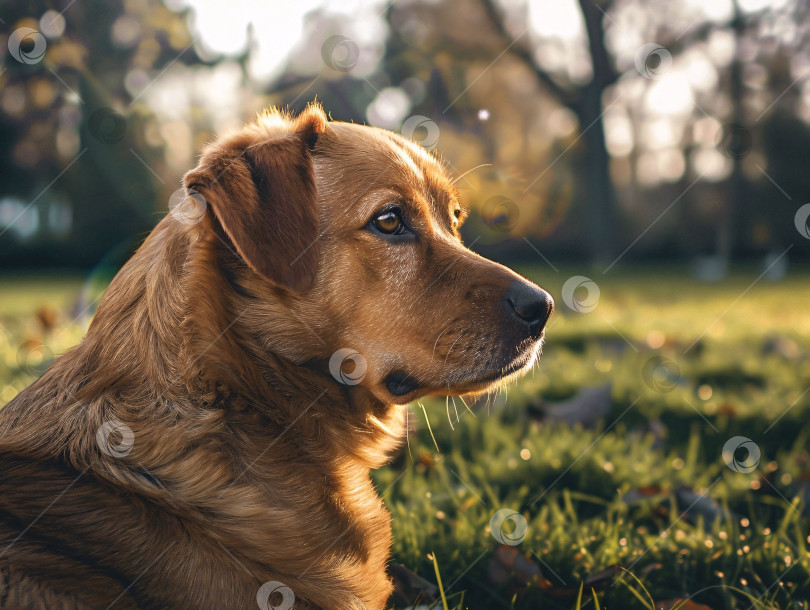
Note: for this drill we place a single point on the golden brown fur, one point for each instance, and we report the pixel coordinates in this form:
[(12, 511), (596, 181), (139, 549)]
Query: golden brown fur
[(250, 461)]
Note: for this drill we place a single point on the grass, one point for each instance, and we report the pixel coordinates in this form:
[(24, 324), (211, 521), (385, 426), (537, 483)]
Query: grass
[(634, 507)]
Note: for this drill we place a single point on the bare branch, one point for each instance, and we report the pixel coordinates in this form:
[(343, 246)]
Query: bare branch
[(604, 73), (563, 95)]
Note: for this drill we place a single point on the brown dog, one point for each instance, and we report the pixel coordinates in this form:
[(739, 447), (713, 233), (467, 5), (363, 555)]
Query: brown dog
[(208, 444)]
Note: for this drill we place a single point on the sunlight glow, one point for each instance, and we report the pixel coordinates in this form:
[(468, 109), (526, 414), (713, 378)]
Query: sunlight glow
[(559, 19), (277, 27), (670, 95), (716, 10)]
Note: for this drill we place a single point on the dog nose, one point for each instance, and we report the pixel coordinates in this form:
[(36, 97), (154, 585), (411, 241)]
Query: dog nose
[(529, 303)]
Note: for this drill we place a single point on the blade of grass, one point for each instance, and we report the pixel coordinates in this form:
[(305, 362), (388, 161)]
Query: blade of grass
[(635, 593), (750, 597), (643, 588), (439, 578)]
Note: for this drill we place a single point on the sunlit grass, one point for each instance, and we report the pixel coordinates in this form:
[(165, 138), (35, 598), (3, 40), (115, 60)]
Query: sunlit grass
[(613, 507), (615, 496)]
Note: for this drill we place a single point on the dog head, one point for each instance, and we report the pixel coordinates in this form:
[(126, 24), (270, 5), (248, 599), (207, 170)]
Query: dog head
[(353, 260)]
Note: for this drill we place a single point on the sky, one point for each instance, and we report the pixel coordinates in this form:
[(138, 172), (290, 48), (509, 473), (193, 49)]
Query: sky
[(279, 24), (281, 32)]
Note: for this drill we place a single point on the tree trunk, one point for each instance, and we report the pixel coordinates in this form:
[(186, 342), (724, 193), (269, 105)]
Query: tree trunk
[(729, 228), (599, 192), (586, 102)]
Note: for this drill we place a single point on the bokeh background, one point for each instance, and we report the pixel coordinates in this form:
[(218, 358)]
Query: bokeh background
[(686, 121), (644, 161)]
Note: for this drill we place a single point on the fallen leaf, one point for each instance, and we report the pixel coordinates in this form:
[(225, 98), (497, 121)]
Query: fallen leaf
[(47, 317), (602, 576), (508, 563), (410, 587), (698, 505), (586, 408)]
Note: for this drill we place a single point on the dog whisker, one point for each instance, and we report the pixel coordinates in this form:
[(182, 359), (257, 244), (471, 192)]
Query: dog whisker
[(461, 398), (433, 354), (427, 421), (447, 355), (407, 434), (470, 171)]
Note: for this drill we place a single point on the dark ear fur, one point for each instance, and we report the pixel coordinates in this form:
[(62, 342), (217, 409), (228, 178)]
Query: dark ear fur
[(260, 185)]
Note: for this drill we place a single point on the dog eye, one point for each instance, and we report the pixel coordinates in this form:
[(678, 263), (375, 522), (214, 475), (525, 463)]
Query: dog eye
[(389, 223)]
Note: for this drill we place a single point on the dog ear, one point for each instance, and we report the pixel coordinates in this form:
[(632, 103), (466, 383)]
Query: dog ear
[(260, 185)]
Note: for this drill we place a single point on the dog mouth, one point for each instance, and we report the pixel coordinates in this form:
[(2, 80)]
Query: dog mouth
[(513, 367), (401, 384), (474, 384)]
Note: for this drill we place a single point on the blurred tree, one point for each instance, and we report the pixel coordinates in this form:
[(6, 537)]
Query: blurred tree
[(586, 101), (79, 149), (589, 144)]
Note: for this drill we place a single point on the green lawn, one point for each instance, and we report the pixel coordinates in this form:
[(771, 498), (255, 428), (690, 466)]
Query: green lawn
[(634, 478)]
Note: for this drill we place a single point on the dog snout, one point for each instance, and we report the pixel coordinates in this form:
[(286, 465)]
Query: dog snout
[(530, 304)]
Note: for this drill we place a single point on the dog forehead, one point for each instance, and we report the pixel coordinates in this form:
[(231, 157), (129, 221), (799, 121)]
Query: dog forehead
[(377, 157)]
